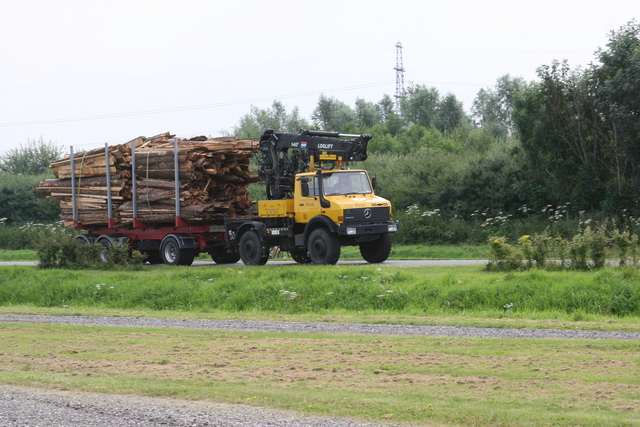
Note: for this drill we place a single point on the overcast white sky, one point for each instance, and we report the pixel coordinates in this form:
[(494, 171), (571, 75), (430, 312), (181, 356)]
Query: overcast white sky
[(86, 72)]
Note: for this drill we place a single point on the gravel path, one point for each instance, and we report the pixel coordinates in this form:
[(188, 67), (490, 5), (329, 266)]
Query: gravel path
[(326, 328), (22, 406)]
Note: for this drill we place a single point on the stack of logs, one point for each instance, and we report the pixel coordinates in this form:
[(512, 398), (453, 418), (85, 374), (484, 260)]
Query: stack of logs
[(213, 178)]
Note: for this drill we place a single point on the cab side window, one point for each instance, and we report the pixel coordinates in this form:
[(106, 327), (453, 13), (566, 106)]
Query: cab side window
[(313, 187)]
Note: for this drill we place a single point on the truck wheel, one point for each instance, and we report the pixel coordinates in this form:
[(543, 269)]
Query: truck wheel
[(154, 257), (221, 256), (251, 249), (172, 254), (376, 251), (301, 256), (324, 247)]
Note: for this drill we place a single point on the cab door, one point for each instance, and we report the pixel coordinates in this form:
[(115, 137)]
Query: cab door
[(307, 198)]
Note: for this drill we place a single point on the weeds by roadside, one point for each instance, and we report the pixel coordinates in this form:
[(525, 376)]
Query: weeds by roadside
[(66, 252), (29, 235), (588, 249)]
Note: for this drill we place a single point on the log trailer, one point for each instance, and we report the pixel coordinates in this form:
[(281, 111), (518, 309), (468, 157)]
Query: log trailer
[(315, 204)]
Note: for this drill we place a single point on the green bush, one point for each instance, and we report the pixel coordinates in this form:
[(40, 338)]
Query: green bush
[(67, 252), (587, 249), (29, 235), (502, 256), (18, 204)]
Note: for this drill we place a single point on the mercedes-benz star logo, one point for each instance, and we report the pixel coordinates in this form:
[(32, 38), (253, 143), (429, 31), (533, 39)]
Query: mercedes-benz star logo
[(367, 213)]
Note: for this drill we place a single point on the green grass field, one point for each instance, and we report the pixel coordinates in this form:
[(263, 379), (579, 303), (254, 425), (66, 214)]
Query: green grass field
[(18, 255), (417, 380), (413, 380)]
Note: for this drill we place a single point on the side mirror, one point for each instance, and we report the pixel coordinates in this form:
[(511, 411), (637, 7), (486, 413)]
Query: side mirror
[(374, 181), (304, 181)]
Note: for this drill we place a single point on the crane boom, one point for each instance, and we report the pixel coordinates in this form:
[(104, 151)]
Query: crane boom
[(286, 154)]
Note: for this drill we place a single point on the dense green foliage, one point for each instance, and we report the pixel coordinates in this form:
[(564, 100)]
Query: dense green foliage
[(30, 235), (18, 204), (257, 120), (30, 159), (21, 170), (580, 129)]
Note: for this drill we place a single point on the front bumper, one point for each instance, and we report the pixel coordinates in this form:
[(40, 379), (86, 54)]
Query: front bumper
[(367, 229)]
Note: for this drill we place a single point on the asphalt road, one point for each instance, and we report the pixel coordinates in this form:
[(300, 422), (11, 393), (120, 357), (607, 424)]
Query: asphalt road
[(411, 263)]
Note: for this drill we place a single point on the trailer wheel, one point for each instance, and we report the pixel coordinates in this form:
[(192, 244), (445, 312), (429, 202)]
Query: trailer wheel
[(87, 239), (300, 256), (376, 251), (108, 241), (221, 256), (251, 249), (324, 246), (172, 254)]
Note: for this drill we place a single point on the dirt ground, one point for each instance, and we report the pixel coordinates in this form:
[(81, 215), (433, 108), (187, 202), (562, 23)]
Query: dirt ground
[(547, 373)]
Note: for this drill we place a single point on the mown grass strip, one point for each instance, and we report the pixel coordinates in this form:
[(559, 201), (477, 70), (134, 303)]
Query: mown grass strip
[(361, 289), (18, 255), (419, 380)]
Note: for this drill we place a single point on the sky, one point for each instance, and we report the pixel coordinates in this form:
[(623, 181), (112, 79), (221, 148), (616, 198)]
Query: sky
[(87, 72)]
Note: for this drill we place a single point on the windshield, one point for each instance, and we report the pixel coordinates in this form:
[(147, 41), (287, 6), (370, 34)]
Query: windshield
[(347, 182)]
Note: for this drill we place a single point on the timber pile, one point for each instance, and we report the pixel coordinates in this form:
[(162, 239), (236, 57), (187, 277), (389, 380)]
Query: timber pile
[(93, 163), (213, 178), (91, 196)]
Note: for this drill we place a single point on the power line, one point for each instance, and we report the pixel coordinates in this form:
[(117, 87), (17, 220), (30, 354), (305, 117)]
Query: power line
[(509, 51), (453, 83), (192, 107), (196, 72)]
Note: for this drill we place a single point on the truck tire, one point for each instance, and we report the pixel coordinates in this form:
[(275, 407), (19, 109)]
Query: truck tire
[(222, 256), (252, 250), (172, 254), (107, 241), (87, 239), (154, 257), (324, 246), (376, 251), (300, 256)]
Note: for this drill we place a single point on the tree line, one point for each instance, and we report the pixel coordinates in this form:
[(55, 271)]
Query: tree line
[(570, 138)]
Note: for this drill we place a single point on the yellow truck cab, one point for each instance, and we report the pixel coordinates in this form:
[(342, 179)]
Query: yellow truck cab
[(316, 211)]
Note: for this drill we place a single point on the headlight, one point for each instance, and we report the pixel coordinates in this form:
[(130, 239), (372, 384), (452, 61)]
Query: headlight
[(393, 228), (351, 230)]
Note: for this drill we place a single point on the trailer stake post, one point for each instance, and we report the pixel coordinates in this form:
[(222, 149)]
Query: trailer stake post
[(110, 222), (74, 199)]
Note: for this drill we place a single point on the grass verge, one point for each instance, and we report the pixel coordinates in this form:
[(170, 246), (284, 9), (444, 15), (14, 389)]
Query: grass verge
[(610, 296), (417, 380), (18, 255)]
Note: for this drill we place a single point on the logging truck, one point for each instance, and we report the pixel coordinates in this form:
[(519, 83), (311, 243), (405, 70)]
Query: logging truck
[(315, 204)]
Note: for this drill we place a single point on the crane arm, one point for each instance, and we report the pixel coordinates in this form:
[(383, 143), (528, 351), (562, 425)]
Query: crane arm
[(286, 154)]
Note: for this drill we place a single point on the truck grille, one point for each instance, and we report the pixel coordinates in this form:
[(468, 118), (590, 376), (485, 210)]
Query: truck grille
[(364, 215)]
